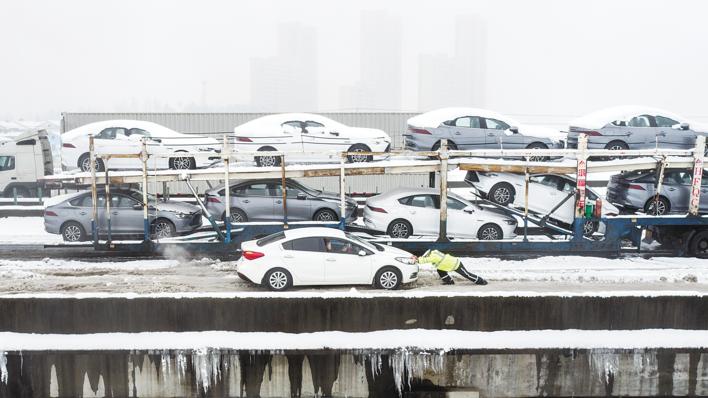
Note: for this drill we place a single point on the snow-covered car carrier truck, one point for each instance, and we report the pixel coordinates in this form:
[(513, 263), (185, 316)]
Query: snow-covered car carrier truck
[(24, 160)]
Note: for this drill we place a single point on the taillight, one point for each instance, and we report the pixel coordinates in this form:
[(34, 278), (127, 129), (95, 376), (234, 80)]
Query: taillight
[(251, 255), (376, 209), (591, 133), (67, 145), (243, 139), (50, 213), (419, 131), (636, 186), (213, 199)]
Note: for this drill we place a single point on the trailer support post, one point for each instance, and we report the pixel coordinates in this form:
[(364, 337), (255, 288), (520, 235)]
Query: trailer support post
[(225, 155), (206, 213), (94, 194), (698, 156), (659, 183), (442, 236), (526, 202), (581, 178), (146, 221), (108, 206), (284, 187), (342, 198)]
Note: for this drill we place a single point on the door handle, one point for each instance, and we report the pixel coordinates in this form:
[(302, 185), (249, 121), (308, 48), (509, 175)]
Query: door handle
[(331, 260), (662, 134), (288, 256), (490, 134), (278, 201), (83, 213), (412, 211), (457, 133), (671, 189), (115, 213), (246, 201)]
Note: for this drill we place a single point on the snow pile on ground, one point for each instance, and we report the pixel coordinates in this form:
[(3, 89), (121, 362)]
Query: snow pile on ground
[(48, 267), (25, 230)]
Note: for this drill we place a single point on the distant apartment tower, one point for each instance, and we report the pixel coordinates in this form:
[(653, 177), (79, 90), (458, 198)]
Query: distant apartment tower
[(287, 81), (457, 80), (380, 54)]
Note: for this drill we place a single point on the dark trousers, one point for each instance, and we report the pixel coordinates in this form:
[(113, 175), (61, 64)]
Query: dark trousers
[(447, 279)]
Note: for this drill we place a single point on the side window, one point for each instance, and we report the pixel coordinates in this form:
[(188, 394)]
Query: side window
[(455, 204), (496, 124), (293, 127), (107, 134), (137, 132), (342, 246), (77, 201), (258, 189), (468, 121), (125, 202), (422, 201), (640, 121), (293, 192), (313, 244), (663, 121), (86, 201), (678, 178), (405, 201), (7, 163), (704, 180), (567, 186)]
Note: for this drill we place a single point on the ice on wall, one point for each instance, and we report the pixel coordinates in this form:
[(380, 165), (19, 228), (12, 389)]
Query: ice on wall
[(3, 367)]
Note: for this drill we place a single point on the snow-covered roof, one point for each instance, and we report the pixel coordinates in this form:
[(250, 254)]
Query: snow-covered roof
[(439, 116), (154, 129), (313, 231), (275, 120), (599, 119)]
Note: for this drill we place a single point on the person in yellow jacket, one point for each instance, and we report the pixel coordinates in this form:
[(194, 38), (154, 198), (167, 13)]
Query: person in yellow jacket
[(445, 263)]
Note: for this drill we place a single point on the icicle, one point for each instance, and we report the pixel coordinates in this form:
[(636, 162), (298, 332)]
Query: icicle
[(3, 367), (605, 363), (202, 372), (165, 364), (181, 365)]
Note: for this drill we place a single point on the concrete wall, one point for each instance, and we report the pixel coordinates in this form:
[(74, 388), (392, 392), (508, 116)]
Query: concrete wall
[(506, 373)]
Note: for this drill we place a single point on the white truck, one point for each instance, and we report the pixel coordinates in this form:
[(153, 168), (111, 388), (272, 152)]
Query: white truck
[(24, 160)]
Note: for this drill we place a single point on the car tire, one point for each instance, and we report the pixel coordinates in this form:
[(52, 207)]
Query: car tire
[(616, 146), (163, 228), (490, 231), (388, 278), (399, 229), (237, 216), (278, 279), (182, 163), (662, 207), (450, 146), (538, 145), (267, 161), (502, 194), (325, 215), (589, 228), (85, 164), (72, 231), (359, 158), (699, 245)]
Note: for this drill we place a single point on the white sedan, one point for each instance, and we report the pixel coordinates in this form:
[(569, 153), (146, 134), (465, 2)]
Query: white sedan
[(416, 211), (295, 133), (323, 256), (546, 192), (124, 137)]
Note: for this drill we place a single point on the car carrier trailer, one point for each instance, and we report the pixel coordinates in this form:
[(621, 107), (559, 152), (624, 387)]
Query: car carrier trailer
[(687, 234)]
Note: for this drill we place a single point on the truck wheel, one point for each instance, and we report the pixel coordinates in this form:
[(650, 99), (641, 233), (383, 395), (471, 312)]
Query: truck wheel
[(699, 245)]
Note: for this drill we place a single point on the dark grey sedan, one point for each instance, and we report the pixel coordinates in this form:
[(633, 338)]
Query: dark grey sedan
[(636, 190), (262, 200), (72, 217)]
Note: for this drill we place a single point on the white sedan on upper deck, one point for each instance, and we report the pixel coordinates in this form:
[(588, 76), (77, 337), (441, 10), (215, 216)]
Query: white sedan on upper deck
[(295, 133), (125, 137)]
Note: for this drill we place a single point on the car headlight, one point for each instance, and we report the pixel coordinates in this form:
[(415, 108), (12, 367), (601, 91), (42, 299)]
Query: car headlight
[(183, 215), (406, 260), (510, 222), (206, 149)]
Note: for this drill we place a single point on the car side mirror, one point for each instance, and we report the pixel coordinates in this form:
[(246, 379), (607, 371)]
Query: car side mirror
[(684, 126), (138, 207), (513, 130), (301, 196), (362, 253), (334, 133), (468, 209)]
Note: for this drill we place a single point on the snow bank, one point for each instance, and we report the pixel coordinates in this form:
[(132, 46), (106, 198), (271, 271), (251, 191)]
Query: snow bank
[(424, 339), (18, 269), (25, 230)]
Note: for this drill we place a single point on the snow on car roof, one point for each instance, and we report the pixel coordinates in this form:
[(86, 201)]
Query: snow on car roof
[(439, 116), (313, 231), (600, 118), (271, 121), (96, 127)]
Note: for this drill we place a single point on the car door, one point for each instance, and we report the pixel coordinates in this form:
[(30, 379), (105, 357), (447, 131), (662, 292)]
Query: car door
[(466, 132), (304, 257), (423, 212), (127, 214), (290, 137), (460, 223), (115, 140), (255, 199), (499, 136), (670, 134), (344, 265), (297, 201), (83, 212), (677, 188), (543, 193), (641, 132), (316, 137)]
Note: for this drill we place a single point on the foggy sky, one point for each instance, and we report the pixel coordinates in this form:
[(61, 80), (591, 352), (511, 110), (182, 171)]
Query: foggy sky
[(544, 59)]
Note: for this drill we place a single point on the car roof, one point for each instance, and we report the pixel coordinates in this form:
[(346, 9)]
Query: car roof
[(96, 127), (437, 117), (277, 119), (601, 118), (255, 180), (313, 231)]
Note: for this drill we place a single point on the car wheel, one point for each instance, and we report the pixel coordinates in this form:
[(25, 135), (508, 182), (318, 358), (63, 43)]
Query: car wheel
[(400, 229), (490, 232), (699, 245), (164, 228), (325, 215), (388, 278), (85, 164), (616, 146), (450, 146), (183, 163), (589, 228), (73, 232), (278, 279), (657, 206), (237, 216), (359, 158), (502, 193), (538, 145), (267, 161)]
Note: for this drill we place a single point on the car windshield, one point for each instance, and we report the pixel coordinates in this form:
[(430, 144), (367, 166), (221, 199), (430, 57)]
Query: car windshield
[(360, 241), (137, 195), (271, 238), (310, 191)]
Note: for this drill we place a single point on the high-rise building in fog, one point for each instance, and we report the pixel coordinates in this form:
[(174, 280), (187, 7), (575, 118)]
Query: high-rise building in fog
[(457, 80), (287, 81), (379, 85)]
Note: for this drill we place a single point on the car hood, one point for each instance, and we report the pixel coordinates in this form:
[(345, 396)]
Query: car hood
[(394, 251), (333, 196), (363, 132), (176, 207)]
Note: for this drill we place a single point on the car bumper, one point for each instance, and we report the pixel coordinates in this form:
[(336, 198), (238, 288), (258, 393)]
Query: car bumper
[(418, 142), (188, 224), (52, 225)]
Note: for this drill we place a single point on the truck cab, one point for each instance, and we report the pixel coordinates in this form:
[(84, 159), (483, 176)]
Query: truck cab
[(24, 160)]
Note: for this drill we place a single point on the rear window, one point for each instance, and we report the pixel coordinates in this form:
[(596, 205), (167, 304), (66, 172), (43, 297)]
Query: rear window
[(271, 238)]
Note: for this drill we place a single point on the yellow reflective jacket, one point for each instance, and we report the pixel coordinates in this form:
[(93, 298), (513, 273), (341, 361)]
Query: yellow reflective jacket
[(441, 261)]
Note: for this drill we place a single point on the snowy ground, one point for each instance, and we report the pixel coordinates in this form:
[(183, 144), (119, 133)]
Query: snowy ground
[(574, 275)]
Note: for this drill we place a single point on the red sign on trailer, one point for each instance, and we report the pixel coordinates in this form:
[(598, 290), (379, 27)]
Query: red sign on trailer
[(581, 184), (696, 186)]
